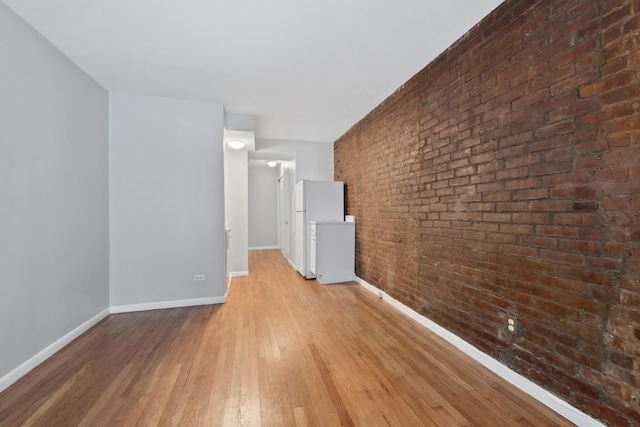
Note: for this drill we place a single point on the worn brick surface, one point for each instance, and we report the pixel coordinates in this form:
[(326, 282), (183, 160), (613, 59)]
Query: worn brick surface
[(504, 179)]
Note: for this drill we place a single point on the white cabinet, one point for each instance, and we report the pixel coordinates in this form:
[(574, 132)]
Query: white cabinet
[(332, 251)]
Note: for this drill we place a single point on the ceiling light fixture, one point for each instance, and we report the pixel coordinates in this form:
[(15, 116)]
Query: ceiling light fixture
[(236, 143), (272, 163)]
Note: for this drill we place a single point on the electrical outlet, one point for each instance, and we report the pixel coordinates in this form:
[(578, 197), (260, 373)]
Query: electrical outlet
[(512, 325), (198, 278)]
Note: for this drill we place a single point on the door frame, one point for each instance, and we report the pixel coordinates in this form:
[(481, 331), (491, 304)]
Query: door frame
[(284, 211)]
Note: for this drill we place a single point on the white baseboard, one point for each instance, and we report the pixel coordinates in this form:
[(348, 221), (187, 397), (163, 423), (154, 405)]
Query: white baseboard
[(49, 351), (238, 273), (263, 248), (166, 304), (543, 396)]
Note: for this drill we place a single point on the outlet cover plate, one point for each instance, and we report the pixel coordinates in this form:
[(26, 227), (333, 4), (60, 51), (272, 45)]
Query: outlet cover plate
[(512, 325)]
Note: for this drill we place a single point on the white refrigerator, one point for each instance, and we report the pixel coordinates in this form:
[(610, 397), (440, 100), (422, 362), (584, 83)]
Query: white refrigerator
[(314, 201)]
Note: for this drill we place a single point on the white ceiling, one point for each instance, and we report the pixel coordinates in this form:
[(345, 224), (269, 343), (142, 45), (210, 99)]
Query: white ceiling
[(306, 69)]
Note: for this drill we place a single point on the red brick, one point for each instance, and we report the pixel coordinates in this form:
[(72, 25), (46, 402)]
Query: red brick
[(513, 173), (554, 75), (586, 247), (538, 266), (502, 238), (558, 310), (574, 192), (558, 128), (586, 163), (532, 194), (521, 184), (561, 283), (554, 230), (622, 94), (550, 143), (519, 229), (536, 218), (522, 251), (591, 89), (539, 242), (584, 275), (511, 207), (505, 176), (631, 299), (608, 264), (551, 168), (550, 206), (580, 303)]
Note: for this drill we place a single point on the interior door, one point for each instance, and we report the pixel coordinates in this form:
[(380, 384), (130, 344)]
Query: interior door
[(284, 211)]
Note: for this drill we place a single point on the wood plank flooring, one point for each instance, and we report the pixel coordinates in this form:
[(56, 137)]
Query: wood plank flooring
[(282, 351)]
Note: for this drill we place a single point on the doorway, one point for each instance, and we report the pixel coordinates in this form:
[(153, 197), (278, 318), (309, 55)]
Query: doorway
[(284, 210)]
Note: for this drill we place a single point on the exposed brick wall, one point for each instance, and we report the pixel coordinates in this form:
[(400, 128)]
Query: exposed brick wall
[(504, 178)]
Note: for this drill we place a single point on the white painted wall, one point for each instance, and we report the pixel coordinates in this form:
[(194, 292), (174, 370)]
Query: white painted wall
[(313, 160), (54, 234), (167, 199), (263, 207), (236, 184)]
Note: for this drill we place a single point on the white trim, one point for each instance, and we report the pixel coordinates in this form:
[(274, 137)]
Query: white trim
[(543, 396), (166, 304), (238, 273), (49, 351), (263, 248)]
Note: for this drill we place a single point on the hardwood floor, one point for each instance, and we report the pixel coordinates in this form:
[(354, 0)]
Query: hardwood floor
[(282, 351)]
